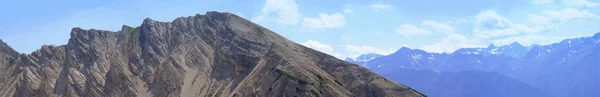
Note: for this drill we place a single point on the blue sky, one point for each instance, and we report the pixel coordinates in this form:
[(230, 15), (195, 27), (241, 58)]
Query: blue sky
[(343, 28)]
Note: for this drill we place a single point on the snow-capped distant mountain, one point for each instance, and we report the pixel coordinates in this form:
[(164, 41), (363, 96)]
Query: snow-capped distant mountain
[(568, 68), (362, 59), (407, 58), (514, 50), (461, 60)]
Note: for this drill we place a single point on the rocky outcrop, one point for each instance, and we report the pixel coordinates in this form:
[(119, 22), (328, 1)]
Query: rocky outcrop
[(216, 54)]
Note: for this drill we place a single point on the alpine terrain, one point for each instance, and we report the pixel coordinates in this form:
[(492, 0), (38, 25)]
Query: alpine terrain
[(569, 68), (215, 54)]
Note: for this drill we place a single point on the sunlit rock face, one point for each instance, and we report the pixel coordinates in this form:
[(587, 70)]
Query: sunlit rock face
[(215, 54)]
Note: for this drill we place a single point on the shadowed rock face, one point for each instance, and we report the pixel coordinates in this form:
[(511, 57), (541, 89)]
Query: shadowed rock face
[(216, 54)]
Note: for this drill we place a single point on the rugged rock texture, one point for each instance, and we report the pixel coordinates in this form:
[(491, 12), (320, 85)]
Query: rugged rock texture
[(216, 54)]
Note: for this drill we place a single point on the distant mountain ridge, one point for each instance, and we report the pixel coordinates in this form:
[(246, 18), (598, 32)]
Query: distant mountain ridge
[(514, 49), (465, 84), (567, 68), (362, 59)]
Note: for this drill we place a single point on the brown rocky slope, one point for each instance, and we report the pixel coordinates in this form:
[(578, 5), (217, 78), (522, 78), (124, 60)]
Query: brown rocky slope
[(216, 54)]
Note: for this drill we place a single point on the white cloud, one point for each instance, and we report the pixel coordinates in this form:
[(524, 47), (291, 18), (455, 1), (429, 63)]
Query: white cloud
[(322, 48), (542, 1), (547, 20), (580, 3), (438, 26), (490, 24), (568, 14), (451, 43), (378, 7), (347, 9), (409, 30), (324, 21), (355, 50), (318, 46), (495, 33), (352, 51), (283, 11), (426, 28), (489, 19), (462, 20), (538, 19), (457, 22)]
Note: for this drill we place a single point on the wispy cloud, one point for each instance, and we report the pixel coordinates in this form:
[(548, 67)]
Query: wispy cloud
[(538, 19), (438, 26), (541, 1), (568, 14), (324, 21), (452, 43), (490, 24), (322, 48), (427, 27), (347, 9), (460, 21), (318, 46), (357, 50), (351, 51), (283, 11), (580, 3), (378, 7), (408, 30)]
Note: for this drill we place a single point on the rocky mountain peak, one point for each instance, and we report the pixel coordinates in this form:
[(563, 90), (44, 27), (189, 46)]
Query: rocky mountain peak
[(491, 46), (215, 54), (516, 44), (403, 49), (148, 22), (5, 49), (4, 46)]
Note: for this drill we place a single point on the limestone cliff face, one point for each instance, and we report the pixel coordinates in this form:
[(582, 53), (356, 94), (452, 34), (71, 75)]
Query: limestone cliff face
[(215, 54)]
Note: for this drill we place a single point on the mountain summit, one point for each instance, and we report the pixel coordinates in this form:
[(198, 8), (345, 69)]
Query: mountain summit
[(215, 54)]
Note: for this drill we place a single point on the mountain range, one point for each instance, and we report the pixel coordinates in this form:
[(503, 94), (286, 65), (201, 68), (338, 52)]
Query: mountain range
[(215, 54), (569, 68), (362, 59)]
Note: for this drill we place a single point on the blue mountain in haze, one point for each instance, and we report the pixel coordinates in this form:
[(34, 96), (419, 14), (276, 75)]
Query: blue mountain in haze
[(514, 50), (569, 68), (465, 84), (362, 59)]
